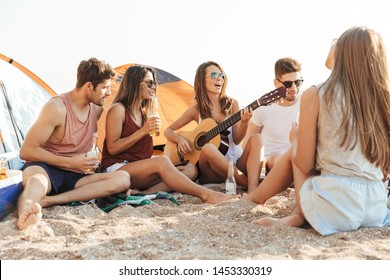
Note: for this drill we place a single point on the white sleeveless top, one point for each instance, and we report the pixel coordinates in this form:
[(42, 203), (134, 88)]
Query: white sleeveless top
[(330, 158), (235, 151)]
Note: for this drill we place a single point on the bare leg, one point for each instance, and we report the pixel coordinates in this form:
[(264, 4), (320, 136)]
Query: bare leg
[(189, 170), (271, 162), (143, 172), (277, 180), (214, 166), (250, 163), (296, 218), (90, 187), (35, 186)]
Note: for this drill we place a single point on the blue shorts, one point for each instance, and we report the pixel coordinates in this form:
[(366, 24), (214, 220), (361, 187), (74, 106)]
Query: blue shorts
[(61, 180), (333, 203)]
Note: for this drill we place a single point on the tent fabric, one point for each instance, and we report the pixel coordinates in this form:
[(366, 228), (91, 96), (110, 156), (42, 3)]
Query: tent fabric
[(22, 96), (174, 96)]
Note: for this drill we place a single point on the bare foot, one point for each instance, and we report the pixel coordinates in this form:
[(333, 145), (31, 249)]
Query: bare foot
[(30, 217), (132, 192), (218, 197), (294, 220), (267, 221), (248, 197)]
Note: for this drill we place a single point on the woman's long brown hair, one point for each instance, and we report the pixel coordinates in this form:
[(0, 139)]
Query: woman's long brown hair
[(129, 90), (361, 74), (201, 97)]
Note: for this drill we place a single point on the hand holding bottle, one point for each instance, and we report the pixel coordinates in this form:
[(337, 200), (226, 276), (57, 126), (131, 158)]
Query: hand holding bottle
[(93, 154), (152, 113)]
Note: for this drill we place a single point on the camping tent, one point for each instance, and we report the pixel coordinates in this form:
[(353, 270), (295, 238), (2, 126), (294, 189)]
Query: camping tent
[(174, 96), (22, 95)]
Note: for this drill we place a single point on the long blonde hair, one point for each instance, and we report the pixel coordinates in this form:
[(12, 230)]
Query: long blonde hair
[(361, 74)]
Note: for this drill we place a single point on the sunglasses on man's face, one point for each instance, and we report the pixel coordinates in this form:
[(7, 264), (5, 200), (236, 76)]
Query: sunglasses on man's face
[(150, 83), (215, 75), (288, 84)]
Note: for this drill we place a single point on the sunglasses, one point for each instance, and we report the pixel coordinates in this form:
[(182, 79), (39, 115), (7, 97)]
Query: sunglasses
[(215, 75), (150, 83), (288, 84)]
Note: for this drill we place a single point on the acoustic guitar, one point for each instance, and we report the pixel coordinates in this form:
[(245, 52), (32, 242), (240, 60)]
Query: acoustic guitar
[(208, 131)]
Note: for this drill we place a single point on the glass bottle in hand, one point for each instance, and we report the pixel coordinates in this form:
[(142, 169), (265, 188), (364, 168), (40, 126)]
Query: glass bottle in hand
[(153, 113), (93, 152)]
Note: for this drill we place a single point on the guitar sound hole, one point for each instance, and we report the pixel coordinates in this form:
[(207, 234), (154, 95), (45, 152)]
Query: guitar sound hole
[(201, 141)]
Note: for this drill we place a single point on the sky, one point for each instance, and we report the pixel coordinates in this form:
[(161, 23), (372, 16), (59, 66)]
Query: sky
[(245, 37)]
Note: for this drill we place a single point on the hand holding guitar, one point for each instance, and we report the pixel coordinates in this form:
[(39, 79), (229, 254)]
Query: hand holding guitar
[(246, 115), (183, 147)]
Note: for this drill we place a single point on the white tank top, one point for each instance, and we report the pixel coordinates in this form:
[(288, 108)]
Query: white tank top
[(331, 159)]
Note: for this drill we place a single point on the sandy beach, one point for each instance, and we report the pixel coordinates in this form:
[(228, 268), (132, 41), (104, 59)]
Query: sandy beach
[(190, 231)]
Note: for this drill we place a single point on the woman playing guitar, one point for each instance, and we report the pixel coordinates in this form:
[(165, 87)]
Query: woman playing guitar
[(212, 107)]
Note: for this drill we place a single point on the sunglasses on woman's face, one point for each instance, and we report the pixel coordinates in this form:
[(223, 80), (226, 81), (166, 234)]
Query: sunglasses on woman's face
[(215, 75), (150, 83), (288, 84)]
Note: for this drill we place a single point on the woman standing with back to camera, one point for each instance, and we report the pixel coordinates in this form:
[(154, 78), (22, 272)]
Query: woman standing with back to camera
[(343, 134)]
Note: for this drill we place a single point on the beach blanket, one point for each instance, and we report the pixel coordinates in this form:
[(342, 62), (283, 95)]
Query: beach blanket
[(111, 202)]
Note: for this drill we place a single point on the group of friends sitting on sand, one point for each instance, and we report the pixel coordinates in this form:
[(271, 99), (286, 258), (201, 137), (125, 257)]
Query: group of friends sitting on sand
[(330, 142)]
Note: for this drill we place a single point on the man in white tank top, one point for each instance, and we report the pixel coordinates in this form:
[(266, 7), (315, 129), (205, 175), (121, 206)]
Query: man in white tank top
[(274, 122)]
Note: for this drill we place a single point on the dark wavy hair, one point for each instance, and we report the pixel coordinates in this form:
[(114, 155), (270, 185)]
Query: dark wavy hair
[(94, 71), (286, 65), (129, 90)]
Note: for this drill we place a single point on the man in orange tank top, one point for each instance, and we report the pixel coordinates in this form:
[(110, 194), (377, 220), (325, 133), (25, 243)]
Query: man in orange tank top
[(56, 146)]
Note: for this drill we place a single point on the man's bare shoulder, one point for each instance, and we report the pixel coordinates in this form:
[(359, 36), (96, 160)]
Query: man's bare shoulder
[(54, 110), (55, 101)]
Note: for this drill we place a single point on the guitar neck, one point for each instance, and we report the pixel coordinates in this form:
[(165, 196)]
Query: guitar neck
[(230, 121), (266, 99)]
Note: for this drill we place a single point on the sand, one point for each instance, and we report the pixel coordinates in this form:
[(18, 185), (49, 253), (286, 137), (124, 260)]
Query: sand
[(190, 231)]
